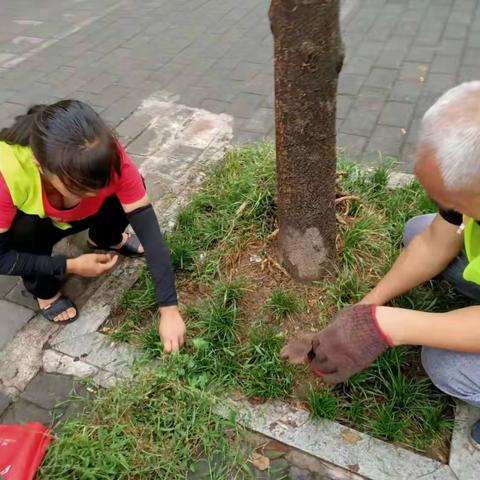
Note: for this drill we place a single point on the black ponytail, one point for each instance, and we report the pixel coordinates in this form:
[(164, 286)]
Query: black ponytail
[(20, 132)]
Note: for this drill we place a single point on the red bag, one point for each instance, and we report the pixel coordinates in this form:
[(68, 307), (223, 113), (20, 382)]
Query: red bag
[(22, 448)]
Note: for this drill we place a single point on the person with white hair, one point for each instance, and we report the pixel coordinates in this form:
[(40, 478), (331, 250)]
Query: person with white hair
[(445, 244)]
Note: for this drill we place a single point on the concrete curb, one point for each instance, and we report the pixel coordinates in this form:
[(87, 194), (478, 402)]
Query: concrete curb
[(339, 445)]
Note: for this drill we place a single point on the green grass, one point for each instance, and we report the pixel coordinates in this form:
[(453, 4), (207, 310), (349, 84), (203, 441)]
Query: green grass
[(236, 203), (388, 399), (160, 427), (283, 303), (323, 404)]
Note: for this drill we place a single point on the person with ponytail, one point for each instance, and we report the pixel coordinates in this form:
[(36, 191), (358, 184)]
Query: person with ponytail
[(63, 171)]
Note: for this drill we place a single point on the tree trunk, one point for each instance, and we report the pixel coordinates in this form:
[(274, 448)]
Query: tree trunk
[(308, 59)]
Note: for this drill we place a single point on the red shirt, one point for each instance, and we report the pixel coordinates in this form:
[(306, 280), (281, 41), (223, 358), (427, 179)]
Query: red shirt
[(128, 187)]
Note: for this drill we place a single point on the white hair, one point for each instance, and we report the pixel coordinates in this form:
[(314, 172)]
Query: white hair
[(451, 129)]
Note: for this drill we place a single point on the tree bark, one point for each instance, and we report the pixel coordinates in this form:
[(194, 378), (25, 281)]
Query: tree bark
[(308, 58)]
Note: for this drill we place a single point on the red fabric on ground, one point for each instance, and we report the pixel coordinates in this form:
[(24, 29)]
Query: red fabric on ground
[(22, 448)]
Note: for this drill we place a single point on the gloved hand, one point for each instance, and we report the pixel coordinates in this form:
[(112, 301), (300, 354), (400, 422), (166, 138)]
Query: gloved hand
[(351, 343)]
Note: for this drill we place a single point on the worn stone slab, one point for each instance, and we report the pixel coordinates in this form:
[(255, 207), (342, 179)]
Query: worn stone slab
[(464, 457), (57, 362), (21, 359), (12, 319), (6, 284), (20, 296), (23, 411), (99, 350), (399, 179), (54, 361), (48, 390), (101, 303), (4, 403), (337, 444)]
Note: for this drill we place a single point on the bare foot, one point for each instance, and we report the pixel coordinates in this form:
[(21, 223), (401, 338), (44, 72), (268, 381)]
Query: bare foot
[(67, 315)]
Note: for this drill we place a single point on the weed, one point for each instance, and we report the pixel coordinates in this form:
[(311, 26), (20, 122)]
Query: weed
[(323, 404), (267, 376), (283, 303)]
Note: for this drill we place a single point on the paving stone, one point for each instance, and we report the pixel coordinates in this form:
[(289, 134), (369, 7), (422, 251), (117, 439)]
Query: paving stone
[(385, 140), (467, 74), (370, 49), (390, 59), (455, 31), (344, 102), (406, 91), (357, 65), (12, 319), (245, 105), (352, 145), (359, 122), (450, 47), (245, 71), (47, 390), (396, 114), (398, 44), (22, 297), (471, 57), (6, 284), (421, 54), (437, 83), (261, 121), (350, 84), (4, 403), (380, 93), (381, 77), (297, 473), (369, 103), (243, 137), (445, 64), (215, 106), (22, 411)]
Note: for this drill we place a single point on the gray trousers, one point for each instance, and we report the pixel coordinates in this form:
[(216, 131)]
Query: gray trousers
[(455, 373)]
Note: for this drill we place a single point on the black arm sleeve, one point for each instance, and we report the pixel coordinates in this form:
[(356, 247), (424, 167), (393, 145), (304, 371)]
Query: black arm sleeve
[(145, 224), (24, 264), (451, 216)]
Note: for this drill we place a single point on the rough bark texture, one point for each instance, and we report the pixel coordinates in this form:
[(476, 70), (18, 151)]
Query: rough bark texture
[(308, 59)]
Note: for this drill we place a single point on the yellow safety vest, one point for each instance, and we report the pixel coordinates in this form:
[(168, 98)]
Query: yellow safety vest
[(21, 174)]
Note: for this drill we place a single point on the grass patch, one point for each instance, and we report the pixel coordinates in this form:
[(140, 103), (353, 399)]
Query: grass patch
[(323, 403), (159, 426), (240, 305), (283, 303)]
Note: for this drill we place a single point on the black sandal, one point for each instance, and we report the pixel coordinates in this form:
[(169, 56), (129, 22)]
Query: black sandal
[(59, 306), (128, 249)]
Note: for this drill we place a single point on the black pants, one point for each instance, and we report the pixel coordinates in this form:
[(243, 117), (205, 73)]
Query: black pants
[(32, 234)]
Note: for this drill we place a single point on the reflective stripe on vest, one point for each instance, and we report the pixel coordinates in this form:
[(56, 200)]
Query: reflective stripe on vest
[(22, 177)]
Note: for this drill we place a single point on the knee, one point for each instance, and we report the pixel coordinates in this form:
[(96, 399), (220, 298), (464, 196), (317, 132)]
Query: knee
[(454, 373), (414, 226)]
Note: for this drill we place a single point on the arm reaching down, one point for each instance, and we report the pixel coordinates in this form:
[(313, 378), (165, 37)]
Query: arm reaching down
[(145, 224)]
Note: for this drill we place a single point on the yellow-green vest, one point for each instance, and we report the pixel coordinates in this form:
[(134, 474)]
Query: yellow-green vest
[(472, 249), (22, 177)]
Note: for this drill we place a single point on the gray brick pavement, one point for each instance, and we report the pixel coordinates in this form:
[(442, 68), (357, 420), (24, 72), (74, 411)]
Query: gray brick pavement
[(218, 55), (48, 398), (12, 318)]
